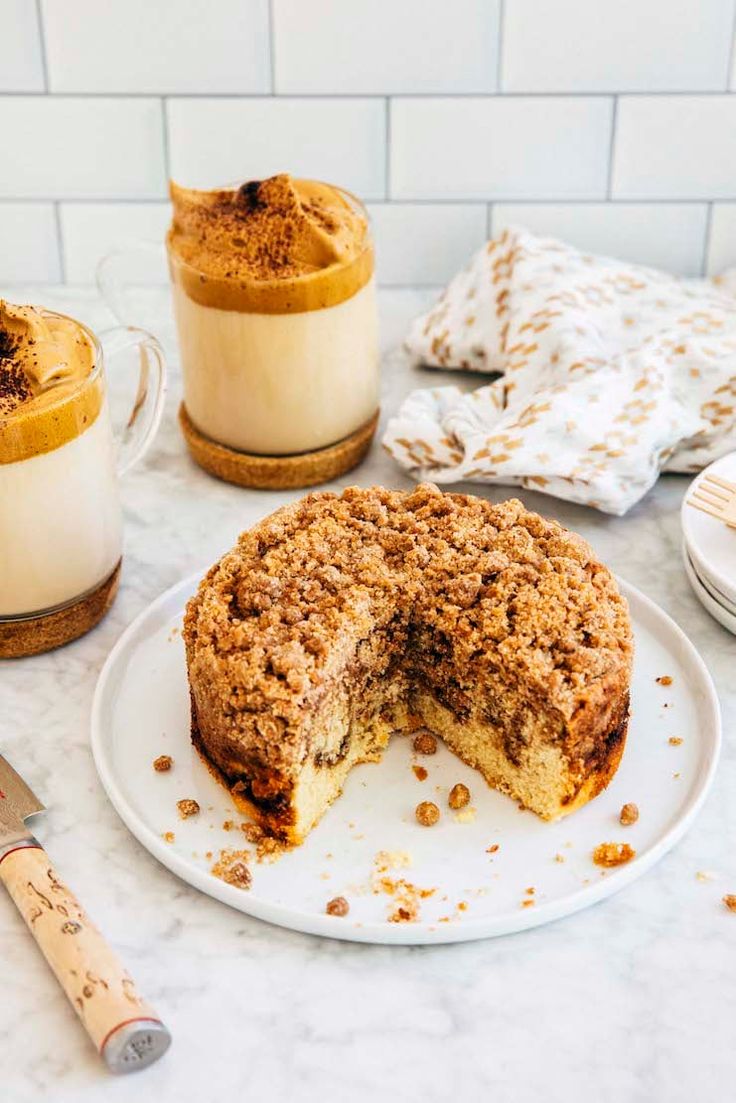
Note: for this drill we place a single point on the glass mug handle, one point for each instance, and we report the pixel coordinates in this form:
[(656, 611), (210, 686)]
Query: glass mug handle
[(145, 415)]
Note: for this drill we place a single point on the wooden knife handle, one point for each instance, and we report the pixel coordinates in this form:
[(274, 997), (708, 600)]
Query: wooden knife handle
[(125, 1029)]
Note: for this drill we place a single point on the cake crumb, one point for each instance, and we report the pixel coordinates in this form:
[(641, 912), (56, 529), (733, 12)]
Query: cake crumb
[(462, 906), (674, 740), (420, 773), (425, 743), (337, 906), (187, 808), (427, 813), (613, 854), (252, 831), (232, 868), (492, 848), (163, 763), (391, 859), (676, 776), (560, 858), (530, 891), (168, 836), (466, 815), (459, 796), (228, 825), (703, 876), (730, 901), (527, 903), (664, 680), (629, 814)]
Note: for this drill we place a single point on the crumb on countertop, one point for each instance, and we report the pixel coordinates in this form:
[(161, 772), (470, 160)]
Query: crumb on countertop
[(337, 906), (629, 814), (163, 763), (613, 854), (187, 807)]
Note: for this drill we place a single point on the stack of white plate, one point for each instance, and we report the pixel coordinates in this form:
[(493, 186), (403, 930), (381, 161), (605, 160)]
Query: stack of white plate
[(709, 551)]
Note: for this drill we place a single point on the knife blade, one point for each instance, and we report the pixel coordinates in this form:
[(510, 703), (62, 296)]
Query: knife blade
[(126, 1031), (17, 803)]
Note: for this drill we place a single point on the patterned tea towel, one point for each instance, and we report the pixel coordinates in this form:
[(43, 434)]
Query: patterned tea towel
[(610, 373)]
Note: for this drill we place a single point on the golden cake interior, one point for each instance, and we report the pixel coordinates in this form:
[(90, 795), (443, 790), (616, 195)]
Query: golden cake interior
[(340, 620)]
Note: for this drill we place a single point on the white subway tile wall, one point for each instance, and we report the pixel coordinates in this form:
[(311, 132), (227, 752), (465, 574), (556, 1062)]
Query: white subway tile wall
[(501, 147), (164, 46), (611, 125), (663, 235), (385, 47)]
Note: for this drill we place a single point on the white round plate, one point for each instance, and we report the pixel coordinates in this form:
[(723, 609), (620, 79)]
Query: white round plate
[(717, 611), (141, 710), (711, 544)]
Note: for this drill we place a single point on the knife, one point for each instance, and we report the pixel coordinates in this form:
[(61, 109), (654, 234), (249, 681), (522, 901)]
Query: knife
[(127, 1032)]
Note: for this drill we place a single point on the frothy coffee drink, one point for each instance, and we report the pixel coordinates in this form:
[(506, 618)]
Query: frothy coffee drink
[(59, 510), (275, 307)]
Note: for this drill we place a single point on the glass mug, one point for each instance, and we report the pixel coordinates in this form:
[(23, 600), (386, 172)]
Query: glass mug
[(281, 378), (60, 510)]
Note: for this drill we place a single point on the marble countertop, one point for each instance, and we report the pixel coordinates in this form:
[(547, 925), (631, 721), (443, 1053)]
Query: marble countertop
[(632, 1000)]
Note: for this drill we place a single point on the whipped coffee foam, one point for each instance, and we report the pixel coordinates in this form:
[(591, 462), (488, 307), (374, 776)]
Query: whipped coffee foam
[(45, 359)]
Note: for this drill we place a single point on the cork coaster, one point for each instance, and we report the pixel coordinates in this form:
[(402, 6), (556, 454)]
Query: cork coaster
[(33, 635), (277, 472)]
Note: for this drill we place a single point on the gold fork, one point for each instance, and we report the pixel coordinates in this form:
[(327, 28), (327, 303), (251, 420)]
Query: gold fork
[(716, 497)]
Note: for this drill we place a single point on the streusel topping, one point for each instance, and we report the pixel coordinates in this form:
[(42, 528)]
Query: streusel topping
[(484, 586)]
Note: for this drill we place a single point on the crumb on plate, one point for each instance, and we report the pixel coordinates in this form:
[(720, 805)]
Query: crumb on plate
[(459, 796), (664, 680), (427, 813), (613, 854), (420, 773), (163, 763), (337, 906), (675, 740), (168, 836), (425, 743), (629, 814), (187, 808), (730, 901)]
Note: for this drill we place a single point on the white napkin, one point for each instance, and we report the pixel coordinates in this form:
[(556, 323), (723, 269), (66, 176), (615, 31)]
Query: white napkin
[(611, 373)]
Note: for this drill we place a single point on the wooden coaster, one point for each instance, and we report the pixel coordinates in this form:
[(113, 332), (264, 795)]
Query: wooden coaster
[(32, 635), (277, 472)]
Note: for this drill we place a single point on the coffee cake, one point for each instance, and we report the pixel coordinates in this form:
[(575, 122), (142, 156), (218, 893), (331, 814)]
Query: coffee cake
[(341, 619)]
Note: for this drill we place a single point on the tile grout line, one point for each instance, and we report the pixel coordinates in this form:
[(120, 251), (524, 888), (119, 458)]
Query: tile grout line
[(499, 45), (42, 45), (703, 93), (729, 70), (272, 46), (60, 242), (706, 239), (165, 138), (387, 151), (612, 149), (415, 201)]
